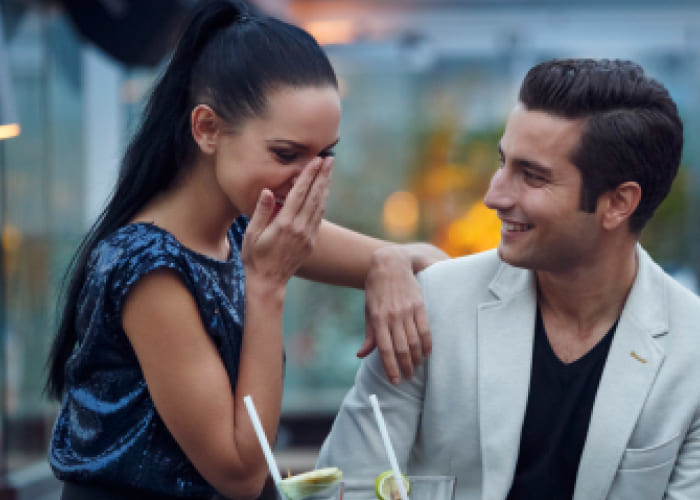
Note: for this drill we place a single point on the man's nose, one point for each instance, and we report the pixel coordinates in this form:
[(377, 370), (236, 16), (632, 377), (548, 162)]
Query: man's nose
[(499, 196)]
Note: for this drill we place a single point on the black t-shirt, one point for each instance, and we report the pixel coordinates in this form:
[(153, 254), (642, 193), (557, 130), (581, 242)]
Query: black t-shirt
[(556, 419)]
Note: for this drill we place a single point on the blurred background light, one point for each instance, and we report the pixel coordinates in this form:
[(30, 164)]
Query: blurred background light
[(332, 31), (9, 131), (401, 215), (476, 231), (9, 126)]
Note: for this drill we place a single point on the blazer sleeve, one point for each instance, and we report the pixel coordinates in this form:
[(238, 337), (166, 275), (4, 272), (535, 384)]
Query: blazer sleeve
[(685, 477), (354, 444)]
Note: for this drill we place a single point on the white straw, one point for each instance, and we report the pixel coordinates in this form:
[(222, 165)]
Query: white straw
[(276, 477), (398, 478)]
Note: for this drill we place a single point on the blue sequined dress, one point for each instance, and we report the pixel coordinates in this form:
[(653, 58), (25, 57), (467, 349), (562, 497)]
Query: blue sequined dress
[(108, 430)]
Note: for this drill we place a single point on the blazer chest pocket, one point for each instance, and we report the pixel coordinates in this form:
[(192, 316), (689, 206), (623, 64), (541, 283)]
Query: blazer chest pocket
[(651, 457)]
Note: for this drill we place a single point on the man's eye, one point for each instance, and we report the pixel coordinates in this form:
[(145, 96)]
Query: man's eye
[(534, 179), (325, 154)]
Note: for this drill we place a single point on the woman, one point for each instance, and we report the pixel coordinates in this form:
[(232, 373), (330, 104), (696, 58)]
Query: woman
[(174, 308)]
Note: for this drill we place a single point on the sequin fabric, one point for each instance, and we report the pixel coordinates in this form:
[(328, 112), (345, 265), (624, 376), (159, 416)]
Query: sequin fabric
[(107, 429)]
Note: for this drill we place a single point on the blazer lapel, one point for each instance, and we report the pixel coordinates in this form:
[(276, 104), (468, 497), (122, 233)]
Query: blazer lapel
[(505, 340), (629, 373)]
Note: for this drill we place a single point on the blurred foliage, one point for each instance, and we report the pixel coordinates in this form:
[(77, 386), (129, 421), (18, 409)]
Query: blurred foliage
[(663, 236), (450, 176)]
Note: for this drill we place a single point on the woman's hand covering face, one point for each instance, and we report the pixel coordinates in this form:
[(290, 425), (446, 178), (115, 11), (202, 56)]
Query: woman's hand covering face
[(274, 246)]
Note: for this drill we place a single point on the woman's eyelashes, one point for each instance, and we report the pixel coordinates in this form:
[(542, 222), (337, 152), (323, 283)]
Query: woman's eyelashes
[(287, 156)]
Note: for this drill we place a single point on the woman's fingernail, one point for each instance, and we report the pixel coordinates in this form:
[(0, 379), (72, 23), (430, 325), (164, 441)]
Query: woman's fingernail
[(395, 380)]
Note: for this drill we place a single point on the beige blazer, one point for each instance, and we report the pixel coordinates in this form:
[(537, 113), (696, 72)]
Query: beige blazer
[(462, 412)]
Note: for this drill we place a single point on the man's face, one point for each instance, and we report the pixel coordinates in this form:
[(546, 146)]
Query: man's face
[(536, 194)]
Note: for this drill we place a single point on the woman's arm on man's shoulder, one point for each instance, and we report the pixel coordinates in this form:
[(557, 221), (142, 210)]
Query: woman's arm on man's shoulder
[(396, 322)]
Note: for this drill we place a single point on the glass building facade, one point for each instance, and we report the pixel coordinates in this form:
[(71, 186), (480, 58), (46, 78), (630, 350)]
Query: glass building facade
[(426, 91), (43, 178)]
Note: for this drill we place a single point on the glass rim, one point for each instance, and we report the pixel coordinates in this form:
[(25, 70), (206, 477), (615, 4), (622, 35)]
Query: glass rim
[(430, 476), (416, 476), (411, 477)]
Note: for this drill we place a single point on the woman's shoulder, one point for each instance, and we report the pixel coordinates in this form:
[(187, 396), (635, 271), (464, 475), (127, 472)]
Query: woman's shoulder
[(138, 248), (135, 249), (139, 239), (128, 254)]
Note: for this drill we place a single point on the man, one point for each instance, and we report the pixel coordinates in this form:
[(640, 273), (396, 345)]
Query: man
[(566, 364)]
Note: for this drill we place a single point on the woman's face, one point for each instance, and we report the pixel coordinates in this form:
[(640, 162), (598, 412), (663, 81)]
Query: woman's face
[(270, 151)]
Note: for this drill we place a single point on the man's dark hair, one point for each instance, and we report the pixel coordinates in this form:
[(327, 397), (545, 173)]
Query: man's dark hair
[(632, 131)]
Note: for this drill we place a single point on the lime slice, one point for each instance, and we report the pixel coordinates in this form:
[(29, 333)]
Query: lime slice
[(385, 486), (310, 483)]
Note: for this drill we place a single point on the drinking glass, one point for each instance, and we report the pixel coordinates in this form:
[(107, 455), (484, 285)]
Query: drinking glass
[(434, 487), (334, 492)]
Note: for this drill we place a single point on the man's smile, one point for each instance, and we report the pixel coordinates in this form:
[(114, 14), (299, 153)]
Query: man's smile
[(516, 227)]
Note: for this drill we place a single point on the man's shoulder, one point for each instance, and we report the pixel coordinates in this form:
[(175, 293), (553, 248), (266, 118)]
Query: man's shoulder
[(674, 293), (487, 262), (663, 305), (682, 303), (682, 293), (478, 269)]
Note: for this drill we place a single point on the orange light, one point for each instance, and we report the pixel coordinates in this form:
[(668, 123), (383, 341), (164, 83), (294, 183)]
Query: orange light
[(11, 238), (332, 31), (401, 215), (476, 231), (445, 178), (10, 130)]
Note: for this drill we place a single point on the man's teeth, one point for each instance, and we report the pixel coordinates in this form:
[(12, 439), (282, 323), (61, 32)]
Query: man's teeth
[(509, 226)]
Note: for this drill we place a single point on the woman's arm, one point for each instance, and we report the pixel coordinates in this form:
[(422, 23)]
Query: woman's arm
[(345, 257), (395, 316), (189, 385), (186, 377)]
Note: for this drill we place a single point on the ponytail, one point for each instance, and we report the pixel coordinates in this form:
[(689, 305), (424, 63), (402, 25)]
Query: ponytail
[(228, 58)]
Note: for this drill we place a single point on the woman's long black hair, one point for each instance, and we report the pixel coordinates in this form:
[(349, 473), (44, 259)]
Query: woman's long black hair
[(228, 58)]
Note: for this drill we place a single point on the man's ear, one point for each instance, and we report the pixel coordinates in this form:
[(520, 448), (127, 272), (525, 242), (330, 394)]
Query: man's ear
[(617, 205), (206, 128)]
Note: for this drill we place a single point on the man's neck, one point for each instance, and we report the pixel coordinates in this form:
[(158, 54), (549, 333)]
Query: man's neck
[(580, 306)]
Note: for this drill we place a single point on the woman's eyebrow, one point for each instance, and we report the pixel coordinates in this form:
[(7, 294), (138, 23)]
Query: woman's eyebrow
[(295, 144)]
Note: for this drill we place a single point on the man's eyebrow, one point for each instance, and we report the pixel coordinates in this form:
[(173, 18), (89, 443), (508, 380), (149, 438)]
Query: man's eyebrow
[(297, 145), (529, 164)]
